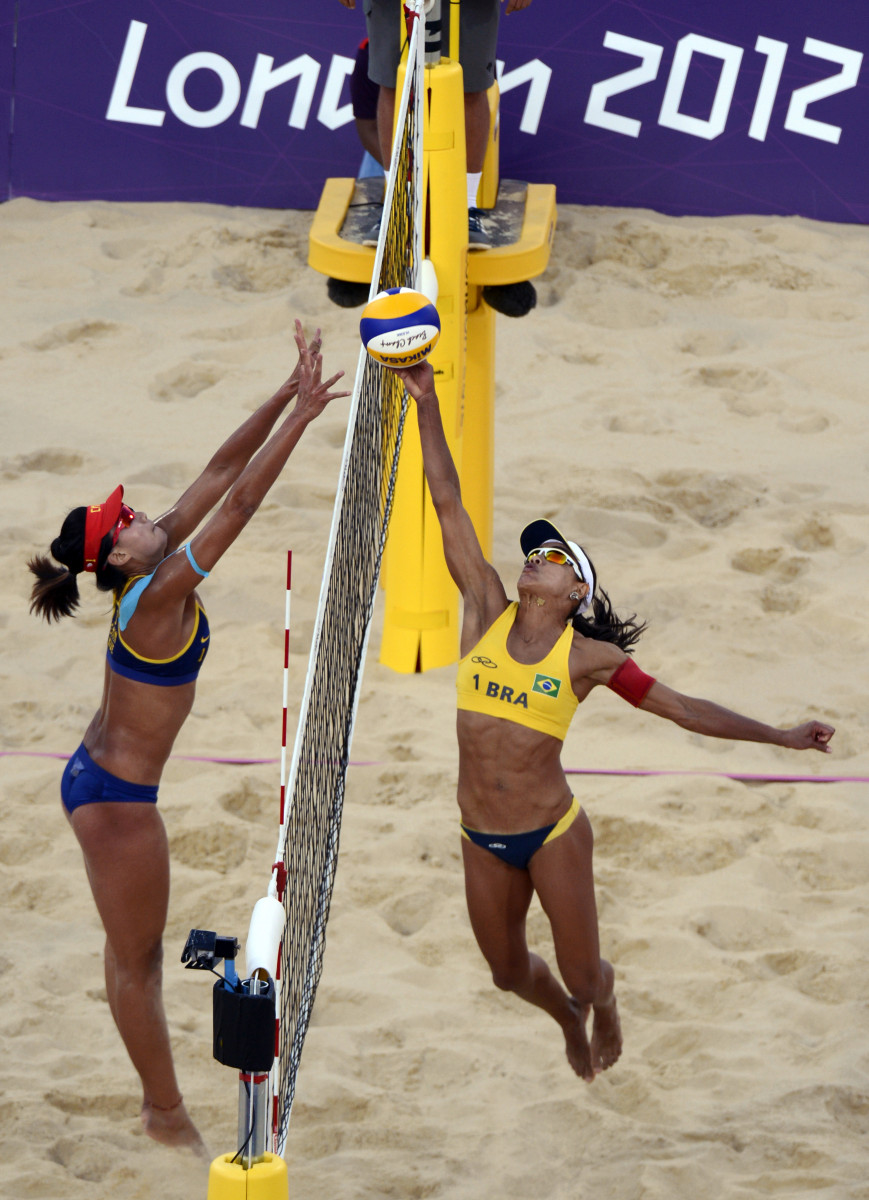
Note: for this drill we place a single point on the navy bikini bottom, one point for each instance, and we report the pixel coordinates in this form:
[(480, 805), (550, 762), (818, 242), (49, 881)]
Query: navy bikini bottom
[(518, 848), (84, 782)]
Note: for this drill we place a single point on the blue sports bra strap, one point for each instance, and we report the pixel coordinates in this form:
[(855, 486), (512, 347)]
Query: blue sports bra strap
[(194, 564), (130, 599)]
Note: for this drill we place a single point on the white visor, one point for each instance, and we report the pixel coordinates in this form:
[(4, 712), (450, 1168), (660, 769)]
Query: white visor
[(541, 531)]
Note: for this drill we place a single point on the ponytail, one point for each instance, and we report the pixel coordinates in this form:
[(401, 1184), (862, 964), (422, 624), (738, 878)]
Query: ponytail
[(604, 625), (55, 593)]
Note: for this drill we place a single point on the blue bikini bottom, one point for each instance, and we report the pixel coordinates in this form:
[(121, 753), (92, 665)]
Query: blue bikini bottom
[(518, 848), (85, 782)]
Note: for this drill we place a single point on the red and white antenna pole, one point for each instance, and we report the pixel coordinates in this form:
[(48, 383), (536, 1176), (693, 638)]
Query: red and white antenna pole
[(286, 685), (279, 873)]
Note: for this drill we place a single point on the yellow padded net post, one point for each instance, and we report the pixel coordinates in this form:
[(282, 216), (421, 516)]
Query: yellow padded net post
[(421, 617)]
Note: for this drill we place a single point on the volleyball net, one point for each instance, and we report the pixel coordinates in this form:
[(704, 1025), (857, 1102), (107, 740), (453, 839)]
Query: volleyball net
[(313, 791)]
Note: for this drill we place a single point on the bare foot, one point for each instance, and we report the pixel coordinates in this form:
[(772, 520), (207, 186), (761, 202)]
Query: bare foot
[(173, 1127), (576, 1042), (606, 1036)]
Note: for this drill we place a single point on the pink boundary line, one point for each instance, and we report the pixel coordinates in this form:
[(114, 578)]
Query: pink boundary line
[(738, 775)]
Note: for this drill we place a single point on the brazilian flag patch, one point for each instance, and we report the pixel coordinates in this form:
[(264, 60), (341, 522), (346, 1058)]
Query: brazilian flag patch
[(546, 685)]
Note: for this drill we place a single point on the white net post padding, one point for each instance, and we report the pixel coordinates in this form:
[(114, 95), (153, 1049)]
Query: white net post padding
[(313, 793)]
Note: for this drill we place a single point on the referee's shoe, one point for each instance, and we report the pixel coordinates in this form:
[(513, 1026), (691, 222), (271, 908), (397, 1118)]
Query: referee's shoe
[(478, 238)]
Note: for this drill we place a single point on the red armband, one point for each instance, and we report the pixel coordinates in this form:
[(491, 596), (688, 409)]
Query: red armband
[(629, 682)]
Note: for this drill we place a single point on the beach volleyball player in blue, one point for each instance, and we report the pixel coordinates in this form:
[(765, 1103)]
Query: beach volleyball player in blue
[(158, 640), (525, 666)]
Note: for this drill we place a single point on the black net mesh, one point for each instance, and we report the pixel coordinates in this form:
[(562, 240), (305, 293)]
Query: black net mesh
[(315, 792)]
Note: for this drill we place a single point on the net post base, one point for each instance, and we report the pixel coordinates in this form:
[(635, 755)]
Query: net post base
[(266, 1180)]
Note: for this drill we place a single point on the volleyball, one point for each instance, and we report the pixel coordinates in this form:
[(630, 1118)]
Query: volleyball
[(400, 327)]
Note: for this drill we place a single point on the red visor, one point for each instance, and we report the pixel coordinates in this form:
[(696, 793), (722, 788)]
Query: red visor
[(100, 519)]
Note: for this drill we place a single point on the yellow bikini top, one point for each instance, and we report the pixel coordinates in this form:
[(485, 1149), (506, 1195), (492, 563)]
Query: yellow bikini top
[(538, 695)]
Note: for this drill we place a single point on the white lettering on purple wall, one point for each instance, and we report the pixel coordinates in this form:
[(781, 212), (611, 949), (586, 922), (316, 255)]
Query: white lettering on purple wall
[(265, 78), (731, 56), (119, 107), (711, 126), (537, 75), (851, 62), (596, 112), (230, 90)]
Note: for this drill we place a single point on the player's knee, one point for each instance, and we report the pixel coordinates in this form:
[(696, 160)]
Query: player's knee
[(141, 960), (509, 976)]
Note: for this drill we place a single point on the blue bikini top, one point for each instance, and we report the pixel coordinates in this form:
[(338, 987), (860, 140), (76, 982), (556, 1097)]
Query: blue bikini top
[(182, 667)]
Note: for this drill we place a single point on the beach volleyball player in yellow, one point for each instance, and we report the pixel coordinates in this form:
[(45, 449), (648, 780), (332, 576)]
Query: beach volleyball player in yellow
[(157, 643), (525, 666)]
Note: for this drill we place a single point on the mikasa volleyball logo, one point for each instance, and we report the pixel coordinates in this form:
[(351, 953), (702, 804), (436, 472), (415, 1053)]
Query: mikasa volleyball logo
[(406, 360), (404, 347)]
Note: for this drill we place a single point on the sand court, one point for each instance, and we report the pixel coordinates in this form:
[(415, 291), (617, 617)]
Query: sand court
[(688, 400)]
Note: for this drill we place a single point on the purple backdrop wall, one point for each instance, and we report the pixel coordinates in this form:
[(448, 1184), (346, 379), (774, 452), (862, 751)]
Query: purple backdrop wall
[(685, 106)]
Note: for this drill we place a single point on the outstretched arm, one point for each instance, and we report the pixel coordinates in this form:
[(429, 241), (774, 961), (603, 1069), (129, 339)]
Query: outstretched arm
[(230, 460), (602, 663), (175, 575), (475, 578), (706, 717)]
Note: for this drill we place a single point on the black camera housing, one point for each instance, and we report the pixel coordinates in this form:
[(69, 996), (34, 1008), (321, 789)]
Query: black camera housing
[(244, 1026), (204, 949)]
